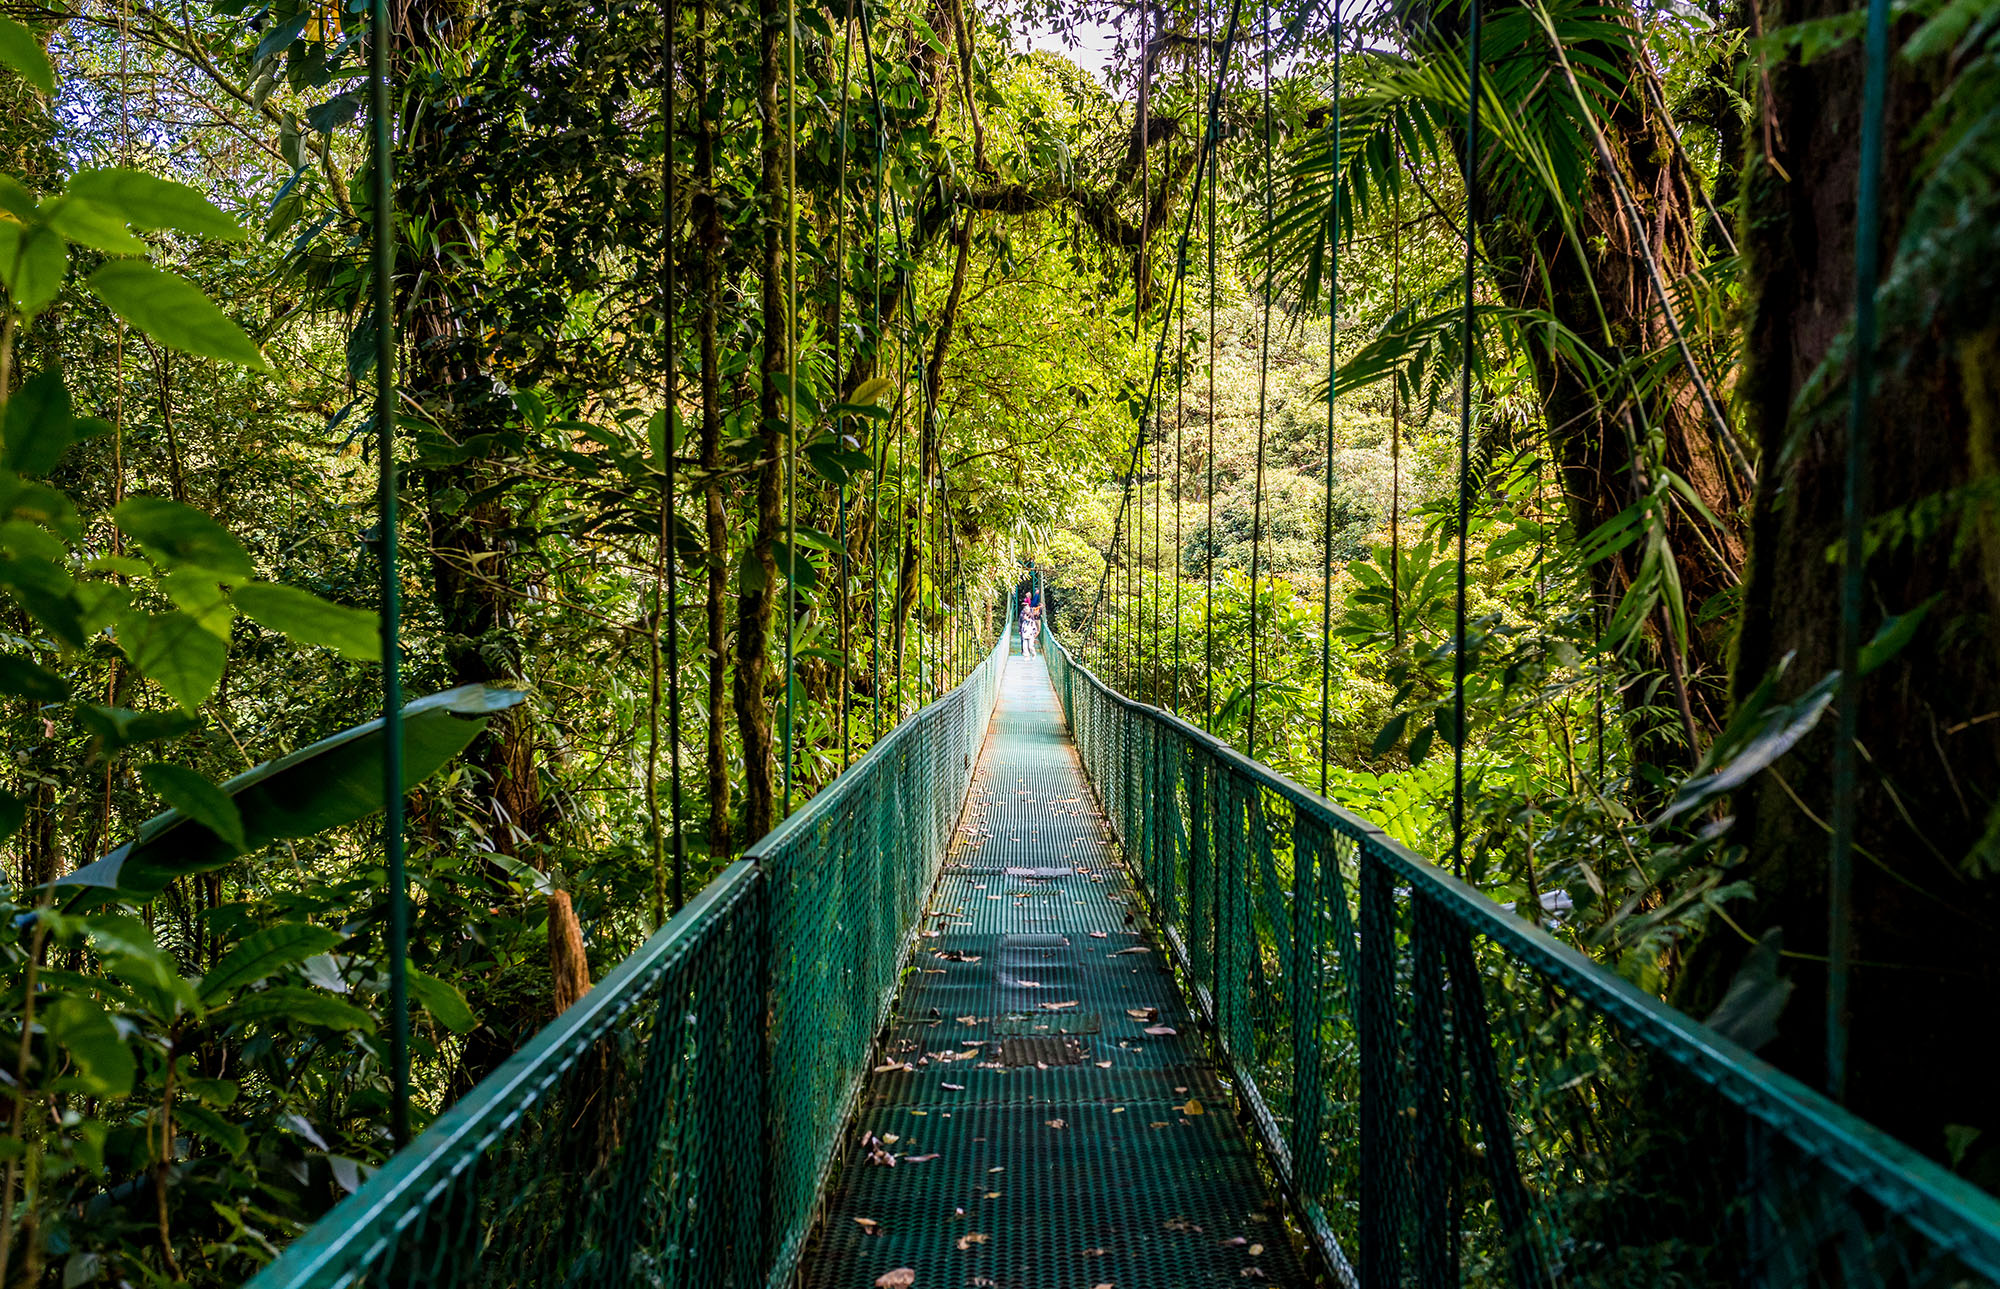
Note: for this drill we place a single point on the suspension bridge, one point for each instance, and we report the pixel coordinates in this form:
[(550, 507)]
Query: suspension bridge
[(1053, 989)]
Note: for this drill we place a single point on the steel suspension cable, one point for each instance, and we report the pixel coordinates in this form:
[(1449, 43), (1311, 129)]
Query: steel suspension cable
[(1263, 384), (384, 258), (1846, 749), (1326, 501), (792, 381), (839, 372), (1213, 162), (1464, 444), (669, 558)]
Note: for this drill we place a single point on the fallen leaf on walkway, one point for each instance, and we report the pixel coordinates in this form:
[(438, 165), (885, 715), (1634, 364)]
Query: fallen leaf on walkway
[(1103, 1284), (1143, 1013), (1192, 1109), (1056, 1123), (1253, 1273), (1028, 984), (1104, 1065), (1161, 1031), (1137, 948), (1000, 1169), (900, 1278), (1182, 1224), (919, 1159), (971, 1238), (1056, 1007), (1099, 935), (1256, 1250), (867, 1224), (970, 1020), (891, 1138), (1095, 1253), (1234, 1242), (992, 1194), (952, 1087)]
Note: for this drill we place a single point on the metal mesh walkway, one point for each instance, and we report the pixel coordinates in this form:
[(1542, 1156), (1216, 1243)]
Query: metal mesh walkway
[(1051, 1115)]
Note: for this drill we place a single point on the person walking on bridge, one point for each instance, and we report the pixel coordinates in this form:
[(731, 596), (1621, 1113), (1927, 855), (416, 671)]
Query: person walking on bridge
[(1031, 622)]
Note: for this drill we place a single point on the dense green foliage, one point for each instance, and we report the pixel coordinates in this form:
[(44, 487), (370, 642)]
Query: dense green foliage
[(743, 388)]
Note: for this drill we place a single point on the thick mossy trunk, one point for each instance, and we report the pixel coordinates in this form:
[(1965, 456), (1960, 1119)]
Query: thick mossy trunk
[(755, 594), (1926, 894), (475, 580)]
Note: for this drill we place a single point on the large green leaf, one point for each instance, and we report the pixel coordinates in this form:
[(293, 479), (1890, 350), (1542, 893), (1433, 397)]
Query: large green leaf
[(31, 680), (335, 781), (23, 53), (308, 620), (182, 537), (175, 651), (443, 1001), (173, 311), (298, 1005), (264, 953), (33, 262), (37, 428), (148, 202), (95, 1060), (194, 796)]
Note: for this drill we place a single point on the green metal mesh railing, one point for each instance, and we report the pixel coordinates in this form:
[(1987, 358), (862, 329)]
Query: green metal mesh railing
[(1451, 1096), (675, 1126)]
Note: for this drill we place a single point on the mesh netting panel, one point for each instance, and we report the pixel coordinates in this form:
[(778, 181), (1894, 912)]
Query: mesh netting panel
[(1451, 1096), (674, 1127)]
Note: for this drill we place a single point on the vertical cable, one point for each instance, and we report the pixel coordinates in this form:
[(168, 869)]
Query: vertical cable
[(792, 379), (882, 451), (840, 376), (385, 503), (670, 200), (1464, 445), (1846, 763), (1208, 491), (1332, 360), (1180, 427), (1263, 388), (1396, 427)]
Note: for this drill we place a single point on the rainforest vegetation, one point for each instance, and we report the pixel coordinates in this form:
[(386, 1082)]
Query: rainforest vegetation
[(748, 373)]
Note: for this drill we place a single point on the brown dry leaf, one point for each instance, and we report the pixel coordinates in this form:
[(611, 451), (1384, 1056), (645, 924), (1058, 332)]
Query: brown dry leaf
[(1104, 1065), (919, 1159), (970, 1020), (867, 1224), (1253, 1273), (1191, 1109), (1102, 1284), (992, 1194), (891, 1138), (1234, 1242), (1161, 1031), (1256, 1250), (893, 1066), (971, 1238), (1056, 1007), (1056, 1123), (1028, 984), (1143, 1013), (1095, 1253), (900, 1278), (1182, 1224), (1137, 948)]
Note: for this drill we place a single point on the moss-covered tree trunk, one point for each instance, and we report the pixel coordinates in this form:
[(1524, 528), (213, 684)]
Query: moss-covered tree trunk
[(755, 594), (1927, 884)]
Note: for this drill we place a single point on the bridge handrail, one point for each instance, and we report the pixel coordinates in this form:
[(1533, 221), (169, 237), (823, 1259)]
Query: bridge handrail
[(1823, 1175), (675, 1125)]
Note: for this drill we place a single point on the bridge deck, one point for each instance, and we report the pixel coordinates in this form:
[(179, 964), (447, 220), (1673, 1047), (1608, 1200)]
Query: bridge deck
[(1054, 1119)]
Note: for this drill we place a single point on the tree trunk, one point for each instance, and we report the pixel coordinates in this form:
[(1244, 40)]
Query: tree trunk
[(1927, 904), (755, 595), (715, 527), (472, 570)]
